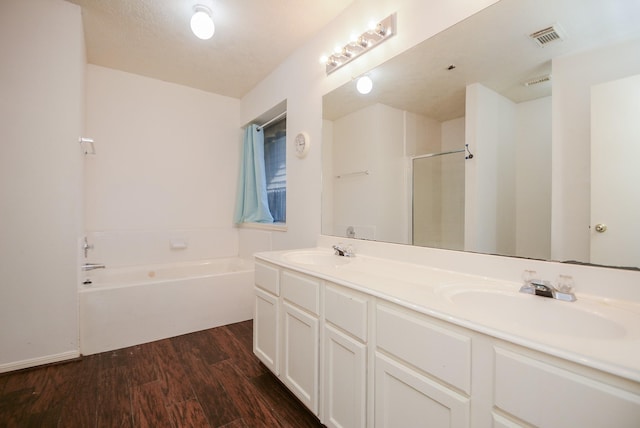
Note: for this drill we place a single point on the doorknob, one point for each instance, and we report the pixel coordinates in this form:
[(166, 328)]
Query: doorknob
[(601, 228)]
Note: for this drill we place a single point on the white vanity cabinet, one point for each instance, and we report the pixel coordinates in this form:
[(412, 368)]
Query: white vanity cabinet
[(286, 329), (422, 372), (360, 357), (346, 315)]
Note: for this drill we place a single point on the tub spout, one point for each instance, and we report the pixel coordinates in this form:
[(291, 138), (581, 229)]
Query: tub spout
[(92, 266)]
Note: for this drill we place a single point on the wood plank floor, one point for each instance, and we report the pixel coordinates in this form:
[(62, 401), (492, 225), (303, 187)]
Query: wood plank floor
[(205, 379)]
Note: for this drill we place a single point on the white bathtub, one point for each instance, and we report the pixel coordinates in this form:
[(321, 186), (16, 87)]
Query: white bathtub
[(131, 305)]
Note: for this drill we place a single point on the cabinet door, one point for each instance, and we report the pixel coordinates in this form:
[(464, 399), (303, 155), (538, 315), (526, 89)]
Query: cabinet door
[(562, 397), (266, 329), (404, 398), (300, 354), (345, 386)]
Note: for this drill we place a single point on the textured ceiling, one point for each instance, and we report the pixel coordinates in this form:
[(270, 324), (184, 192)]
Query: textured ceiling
[(491, 47), (152, 38)]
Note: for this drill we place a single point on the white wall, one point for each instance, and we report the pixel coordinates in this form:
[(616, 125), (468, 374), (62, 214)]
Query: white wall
[(533, 179), (165, 169), (509, 195), (327, 177), (573, 77), (423, 135), (301, 80), (490, 175), (41, 87), (372, 140)]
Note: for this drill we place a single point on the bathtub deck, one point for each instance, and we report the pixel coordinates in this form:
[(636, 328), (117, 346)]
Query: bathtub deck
[(205, 379)]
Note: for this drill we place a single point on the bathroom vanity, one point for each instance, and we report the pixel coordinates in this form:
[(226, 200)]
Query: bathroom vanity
[(368, 341)]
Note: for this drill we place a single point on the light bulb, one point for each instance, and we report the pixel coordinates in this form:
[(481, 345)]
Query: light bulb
[(364, 85), (202, 23)]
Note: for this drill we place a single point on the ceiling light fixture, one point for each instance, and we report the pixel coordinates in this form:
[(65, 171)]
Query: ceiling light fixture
[(364, 85), (377, 33), (202, 22)]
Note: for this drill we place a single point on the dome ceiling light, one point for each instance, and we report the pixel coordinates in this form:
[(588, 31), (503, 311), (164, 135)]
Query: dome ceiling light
[(364, 84), (202, 22)]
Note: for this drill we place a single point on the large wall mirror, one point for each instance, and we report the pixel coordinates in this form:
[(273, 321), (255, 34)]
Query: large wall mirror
[(514, 132)]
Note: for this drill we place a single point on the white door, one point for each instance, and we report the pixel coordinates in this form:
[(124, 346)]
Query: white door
[(615, 172), (300, 343), (265, 329), (345, 385)]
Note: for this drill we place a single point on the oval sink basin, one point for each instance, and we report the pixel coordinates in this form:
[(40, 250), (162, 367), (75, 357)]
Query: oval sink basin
[(515, 311), (315, 258)]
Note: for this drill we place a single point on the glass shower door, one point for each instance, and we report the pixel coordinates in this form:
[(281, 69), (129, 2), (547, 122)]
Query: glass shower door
[(438, 200)]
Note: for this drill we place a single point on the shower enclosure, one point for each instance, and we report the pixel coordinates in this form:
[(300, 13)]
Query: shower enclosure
[(438, 200)]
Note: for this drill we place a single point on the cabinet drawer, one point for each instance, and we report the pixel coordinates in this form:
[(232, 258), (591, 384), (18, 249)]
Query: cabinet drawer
[(266, 277), (302, 290), (548, 396), (438, 351), (346, 310)]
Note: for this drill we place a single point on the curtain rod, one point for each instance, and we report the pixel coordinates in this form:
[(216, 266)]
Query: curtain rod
[(272, 120)]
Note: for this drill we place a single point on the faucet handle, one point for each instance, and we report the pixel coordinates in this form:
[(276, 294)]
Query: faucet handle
[(564, 284), (528, 276)]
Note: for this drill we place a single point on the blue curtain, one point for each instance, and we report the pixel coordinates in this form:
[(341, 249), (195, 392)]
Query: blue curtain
[(252, 205)]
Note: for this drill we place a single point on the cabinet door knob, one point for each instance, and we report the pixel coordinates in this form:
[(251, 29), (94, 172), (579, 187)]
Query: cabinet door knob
[(601, 228)]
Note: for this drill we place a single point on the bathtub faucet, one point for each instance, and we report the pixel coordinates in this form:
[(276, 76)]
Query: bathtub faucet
[(92, 266)]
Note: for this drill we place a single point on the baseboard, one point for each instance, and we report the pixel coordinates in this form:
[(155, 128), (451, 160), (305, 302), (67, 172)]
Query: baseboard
[(33, 362)]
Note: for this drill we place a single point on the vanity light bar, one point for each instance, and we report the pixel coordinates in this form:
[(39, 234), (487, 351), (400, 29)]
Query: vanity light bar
[(371, 38)]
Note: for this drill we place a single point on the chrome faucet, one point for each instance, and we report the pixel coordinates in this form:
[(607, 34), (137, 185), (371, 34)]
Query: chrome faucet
[(344, 251), (543, 288), (92, 266)]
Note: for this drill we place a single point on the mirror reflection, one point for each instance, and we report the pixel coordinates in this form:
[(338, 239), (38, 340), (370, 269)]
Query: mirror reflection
[(511, 85)]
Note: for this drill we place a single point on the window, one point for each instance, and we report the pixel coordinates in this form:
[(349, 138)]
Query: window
[(275, 163)]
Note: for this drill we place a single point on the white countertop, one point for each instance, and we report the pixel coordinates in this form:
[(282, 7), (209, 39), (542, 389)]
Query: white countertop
[(597, 332)]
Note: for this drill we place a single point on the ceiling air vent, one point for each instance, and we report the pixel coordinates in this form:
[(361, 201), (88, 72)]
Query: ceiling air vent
[(547, 35), (538, 80)]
